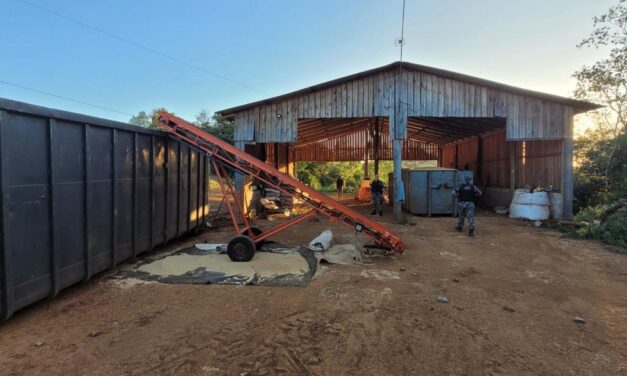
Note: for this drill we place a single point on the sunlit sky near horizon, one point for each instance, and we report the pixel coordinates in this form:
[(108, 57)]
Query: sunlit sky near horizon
[(273, 47)]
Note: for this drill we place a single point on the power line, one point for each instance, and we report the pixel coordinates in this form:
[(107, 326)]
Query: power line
[(64, 98), (140, 46)]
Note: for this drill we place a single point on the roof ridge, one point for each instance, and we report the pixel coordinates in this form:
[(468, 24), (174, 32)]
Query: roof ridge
[(578, 104)]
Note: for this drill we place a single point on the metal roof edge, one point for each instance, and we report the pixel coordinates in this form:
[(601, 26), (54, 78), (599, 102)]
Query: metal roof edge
[(582, 106)]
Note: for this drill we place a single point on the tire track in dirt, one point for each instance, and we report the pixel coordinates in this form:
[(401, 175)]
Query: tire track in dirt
[(292, 348)]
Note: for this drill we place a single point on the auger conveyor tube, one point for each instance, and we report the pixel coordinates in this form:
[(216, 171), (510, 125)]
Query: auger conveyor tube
[(236, 159)]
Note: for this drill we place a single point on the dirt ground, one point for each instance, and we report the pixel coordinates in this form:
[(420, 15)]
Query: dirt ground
[(373, 319)]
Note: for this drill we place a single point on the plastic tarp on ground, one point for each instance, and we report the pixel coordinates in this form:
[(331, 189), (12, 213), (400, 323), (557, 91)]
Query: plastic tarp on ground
[(272, 265)]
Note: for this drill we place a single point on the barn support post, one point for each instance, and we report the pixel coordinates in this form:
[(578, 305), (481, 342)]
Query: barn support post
[(291, 166), (399, 189), (398, 133), (377, 144), (567, 165), (512, 168), (567, 178)]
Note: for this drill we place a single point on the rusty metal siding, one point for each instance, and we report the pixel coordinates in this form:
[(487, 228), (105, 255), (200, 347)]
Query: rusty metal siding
[(81, 195)]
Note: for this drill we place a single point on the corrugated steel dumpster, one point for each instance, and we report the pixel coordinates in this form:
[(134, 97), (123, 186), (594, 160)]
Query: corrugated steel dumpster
[(81, 195), (441, 184), (428, 191)]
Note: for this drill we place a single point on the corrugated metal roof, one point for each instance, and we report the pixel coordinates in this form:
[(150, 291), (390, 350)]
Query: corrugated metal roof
[(582, 106)]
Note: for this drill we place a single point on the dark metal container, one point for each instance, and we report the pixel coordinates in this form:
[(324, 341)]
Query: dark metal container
[(82, 194), (428, 191)]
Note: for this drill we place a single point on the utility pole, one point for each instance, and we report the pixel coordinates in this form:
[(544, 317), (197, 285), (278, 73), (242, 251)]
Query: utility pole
[(398, 131)]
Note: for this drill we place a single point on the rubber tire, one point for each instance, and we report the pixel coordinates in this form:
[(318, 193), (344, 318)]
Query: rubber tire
[(257, 231), (241, 248)]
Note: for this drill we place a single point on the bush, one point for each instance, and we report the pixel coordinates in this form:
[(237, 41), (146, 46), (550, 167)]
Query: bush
[(612, 231), (589, 191)]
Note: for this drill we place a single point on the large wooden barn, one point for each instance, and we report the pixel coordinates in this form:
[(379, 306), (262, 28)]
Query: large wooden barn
[(510, 137)]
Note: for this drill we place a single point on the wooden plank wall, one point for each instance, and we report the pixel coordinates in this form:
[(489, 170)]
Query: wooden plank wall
[(448, 156), (540, 164), (467, 154), (495, 168), (422, 93), (353, 147), (286, 155), (459, 154)]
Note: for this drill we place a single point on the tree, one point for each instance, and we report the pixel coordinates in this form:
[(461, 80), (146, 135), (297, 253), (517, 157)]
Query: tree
[(599, 178), (145, 120), (141, 119), (605, 82), (203, 120), (216, 125)]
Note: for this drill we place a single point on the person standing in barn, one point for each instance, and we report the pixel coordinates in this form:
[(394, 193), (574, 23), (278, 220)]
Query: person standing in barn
[(339, 185), (466, 194), (376, 190)]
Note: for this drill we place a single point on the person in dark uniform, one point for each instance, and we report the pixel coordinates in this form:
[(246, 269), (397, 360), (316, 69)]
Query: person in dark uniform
[(339, 185), (466, 194), (376, 190)]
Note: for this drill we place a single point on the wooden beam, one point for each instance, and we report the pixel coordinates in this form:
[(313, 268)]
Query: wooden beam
[(431, 135), (567, 178), (325, 133), (377, 145), (512, 167), (449, 128), (312, 133), (479, 169), (469, 126), (328, 136)]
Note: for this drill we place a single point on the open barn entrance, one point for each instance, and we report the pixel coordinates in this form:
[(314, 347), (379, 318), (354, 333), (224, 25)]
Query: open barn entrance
[(365, 140), (478, 144)]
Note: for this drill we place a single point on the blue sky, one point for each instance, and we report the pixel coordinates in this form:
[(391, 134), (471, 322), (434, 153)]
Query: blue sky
[(274, 46)]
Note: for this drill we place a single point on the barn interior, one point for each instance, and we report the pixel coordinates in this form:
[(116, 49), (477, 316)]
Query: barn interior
[(478, 144)]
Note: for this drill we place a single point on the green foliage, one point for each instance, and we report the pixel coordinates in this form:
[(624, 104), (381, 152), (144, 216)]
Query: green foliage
[(601, 152), (216, 125), (146, 120), (599, 179), (612, 231), (600, 175), (322, 175), (590, 215)]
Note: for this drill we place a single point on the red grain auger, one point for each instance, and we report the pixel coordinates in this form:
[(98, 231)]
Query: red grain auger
[(243, 246)]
